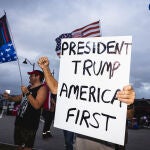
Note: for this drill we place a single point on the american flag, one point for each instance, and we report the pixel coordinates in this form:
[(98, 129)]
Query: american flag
[(90, 30), (7, 51)]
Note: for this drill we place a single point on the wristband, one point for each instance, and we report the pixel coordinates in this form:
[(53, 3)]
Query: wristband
[(27, 94)]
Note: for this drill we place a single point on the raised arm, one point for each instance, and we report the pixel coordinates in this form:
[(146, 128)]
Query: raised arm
[(15, 98), (43, 63)]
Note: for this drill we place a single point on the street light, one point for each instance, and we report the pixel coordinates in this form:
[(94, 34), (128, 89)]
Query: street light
[(26, 62)]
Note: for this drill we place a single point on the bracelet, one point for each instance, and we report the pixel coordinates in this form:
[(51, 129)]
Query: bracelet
[(27, 94)]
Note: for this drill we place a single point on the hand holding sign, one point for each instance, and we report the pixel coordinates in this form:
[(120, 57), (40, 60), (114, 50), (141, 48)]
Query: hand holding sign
[(127, 95)]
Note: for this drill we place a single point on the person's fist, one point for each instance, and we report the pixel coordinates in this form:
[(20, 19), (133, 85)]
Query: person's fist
[(43, 62)]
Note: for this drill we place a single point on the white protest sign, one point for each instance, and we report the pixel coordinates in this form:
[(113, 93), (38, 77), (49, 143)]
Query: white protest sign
[(92, 70)]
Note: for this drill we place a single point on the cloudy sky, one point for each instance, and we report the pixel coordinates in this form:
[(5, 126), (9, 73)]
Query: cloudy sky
[(35, 24)]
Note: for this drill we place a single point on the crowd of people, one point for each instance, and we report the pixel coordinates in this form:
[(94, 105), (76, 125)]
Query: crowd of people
[(40, 98)]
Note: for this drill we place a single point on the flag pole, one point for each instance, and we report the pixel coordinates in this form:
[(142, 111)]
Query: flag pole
[(15, 49)]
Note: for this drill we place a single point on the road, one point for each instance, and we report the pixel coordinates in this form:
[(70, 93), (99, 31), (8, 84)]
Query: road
[(137, 140)]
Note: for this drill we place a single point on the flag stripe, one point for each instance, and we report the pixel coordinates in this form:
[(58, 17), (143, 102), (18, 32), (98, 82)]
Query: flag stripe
[(87, 26), (90, 30), (6, 33), (92, 34), (87, 30), (2, 37), (58, 54), (4, 28)]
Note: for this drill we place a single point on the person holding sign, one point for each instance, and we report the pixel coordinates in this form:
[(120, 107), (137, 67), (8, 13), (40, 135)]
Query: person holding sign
[(126, 95)]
